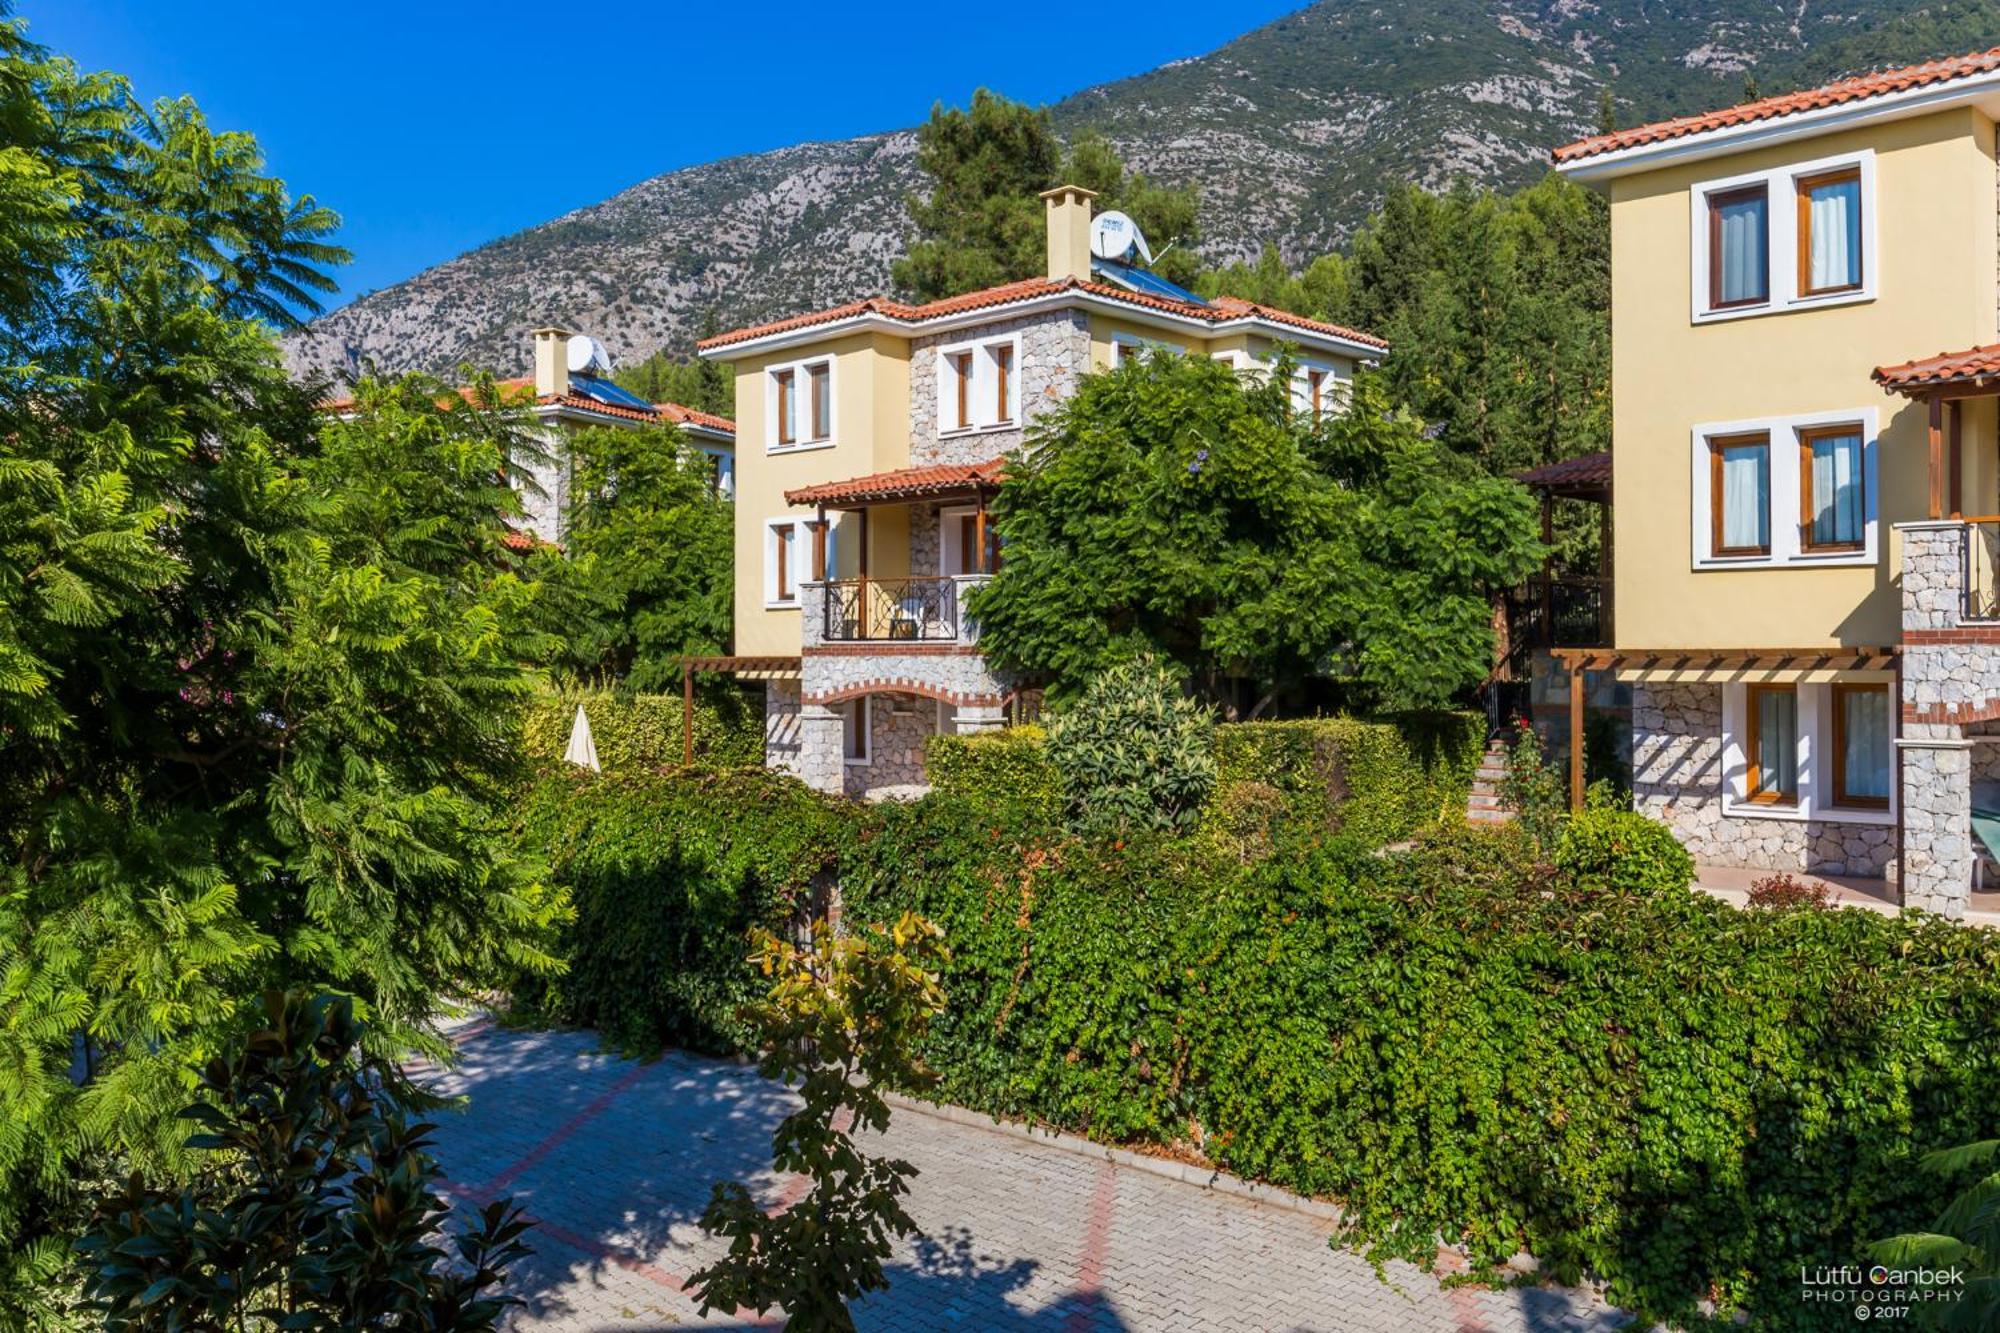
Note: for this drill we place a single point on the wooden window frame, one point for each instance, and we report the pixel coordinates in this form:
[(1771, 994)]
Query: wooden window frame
[(1808, 435), (1716, 201), (1003, 375), (819, 380), (961, 369), (787, 382), (1752, 722), (860, 713), (782, 569), (1841, 798), (1717, 444), (1803, 203), (1315, 386)]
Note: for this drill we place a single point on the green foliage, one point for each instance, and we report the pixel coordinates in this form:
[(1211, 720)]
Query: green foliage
[(315, 1205), (641, 731), (669, 873), (982, 222), (706, 386), (1006, 767), (1134, 751), (645, 573), (1319, 292), (1375, 781), (841, 1023), (1535, 789), (1683, 1099), (1623, 851), (259, 671), (1963, 1241), (1175, 509)]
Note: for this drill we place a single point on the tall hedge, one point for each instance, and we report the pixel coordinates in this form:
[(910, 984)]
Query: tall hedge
[(635, 731), (1374, 780), (668, 872)]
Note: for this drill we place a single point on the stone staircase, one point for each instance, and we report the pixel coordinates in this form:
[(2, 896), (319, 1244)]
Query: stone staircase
[(1485, 806)]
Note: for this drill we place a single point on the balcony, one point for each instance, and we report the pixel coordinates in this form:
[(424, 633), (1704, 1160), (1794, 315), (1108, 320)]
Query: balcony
[(904, 610)]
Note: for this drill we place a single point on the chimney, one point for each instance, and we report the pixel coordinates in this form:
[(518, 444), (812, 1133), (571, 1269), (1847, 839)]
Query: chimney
[(551, 362), (1069, 232)]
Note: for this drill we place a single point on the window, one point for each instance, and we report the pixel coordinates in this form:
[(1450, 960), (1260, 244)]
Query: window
[(1861, 746), (1793, 236), (1003, 389), (1833, 513), (784, 563), (1772, 747), (800, 403), (1829, 230), (1739, 495), (1739, 248), (958, 545), (977, 386), (854, 731)]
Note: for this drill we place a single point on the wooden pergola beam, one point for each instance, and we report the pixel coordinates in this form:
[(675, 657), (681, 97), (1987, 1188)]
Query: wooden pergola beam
[(1725, 659)]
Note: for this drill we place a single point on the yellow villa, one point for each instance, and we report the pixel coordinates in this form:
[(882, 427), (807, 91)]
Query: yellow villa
[(875, 434), (1807, 474)]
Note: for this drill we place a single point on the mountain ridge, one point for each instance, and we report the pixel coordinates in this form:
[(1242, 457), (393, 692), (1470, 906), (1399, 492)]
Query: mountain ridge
[(1292, 132)]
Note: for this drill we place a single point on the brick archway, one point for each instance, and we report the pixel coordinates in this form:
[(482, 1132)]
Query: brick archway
[(922, 689)]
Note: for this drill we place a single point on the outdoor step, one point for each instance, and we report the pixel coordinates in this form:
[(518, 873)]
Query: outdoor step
[(1480, 801), (1489, 816)]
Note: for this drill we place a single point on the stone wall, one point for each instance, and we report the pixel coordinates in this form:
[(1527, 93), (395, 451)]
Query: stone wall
[(1678, 778), (546, 514), (781, 725), (899, 725), (1055, 352)]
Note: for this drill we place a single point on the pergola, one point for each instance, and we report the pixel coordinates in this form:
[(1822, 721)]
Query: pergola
[(742, 666), (937, 483), (1586, 478), (1943, 383)]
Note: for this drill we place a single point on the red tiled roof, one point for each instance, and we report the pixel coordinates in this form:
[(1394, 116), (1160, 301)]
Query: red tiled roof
[(909, 483), (517, 390), (1945, 368), (516, 540), (1216, 312), (1856, 89), (1585, 472)]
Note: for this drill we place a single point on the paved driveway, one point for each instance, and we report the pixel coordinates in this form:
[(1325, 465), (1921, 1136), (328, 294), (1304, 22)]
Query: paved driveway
[(614, 1159)]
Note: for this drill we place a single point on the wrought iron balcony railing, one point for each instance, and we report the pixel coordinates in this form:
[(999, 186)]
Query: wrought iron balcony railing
[(910, 609)]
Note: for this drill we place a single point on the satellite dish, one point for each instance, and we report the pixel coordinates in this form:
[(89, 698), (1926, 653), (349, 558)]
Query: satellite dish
[(588, 357), (1114, 236)]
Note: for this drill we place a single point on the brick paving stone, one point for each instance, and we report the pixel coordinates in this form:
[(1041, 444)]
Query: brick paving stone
[(615, 1159)]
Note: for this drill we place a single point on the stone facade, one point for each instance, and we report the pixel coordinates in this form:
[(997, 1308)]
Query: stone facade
[(781, 725), (1678, 778), (546, 514), (1055, 353), (899, 725)]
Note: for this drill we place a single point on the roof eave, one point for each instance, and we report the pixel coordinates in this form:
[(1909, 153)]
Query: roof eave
[(1599, 167)]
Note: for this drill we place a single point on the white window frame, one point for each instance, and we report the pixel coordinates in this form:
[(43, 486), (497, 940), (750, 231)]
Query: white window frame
[(863, 721), (948, 538), (725, 471), (1335, 388), (1815, 756), (982, 397), (1137, 345), (802, 385), (787, 527), (1781, 237), (1787, 543)]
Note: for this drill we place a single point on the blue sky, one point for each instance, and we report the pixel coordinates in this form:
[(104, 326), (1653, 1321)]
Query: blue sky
[(433, 125)]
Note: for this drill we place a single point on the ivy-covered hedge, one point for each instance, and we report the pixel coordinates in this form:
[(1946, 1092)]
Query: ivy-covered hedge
[(1628, 1080), (1010, 766), (1375, 781), (635, 731), (667, 873)]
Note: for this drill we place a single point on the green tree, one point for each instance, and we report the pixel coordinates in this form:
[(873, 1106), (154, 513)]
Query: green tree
[(706, 386), (647, 569), (1320, 292), (257, 669), (1134, 751), (842, 1023), (1965, 1237), (981, 223), (315, 1204), (1170, 508)]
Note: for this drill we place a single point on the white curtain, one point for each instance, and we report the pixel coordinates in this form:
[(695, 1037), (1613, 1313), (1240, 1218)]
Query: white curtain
[(1743, 257), (1837, 511), (1865, 729), (1746, 497), (1835, 260), (1777, 742)]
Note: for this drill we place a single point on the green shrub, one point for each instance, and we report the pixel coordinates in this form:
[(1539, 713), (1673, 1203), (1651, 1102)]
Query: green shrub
[(668, 873), (1375, 780), (1011, 766), (1134, 752), (1535, 788), (1625, 851), (636, 731)]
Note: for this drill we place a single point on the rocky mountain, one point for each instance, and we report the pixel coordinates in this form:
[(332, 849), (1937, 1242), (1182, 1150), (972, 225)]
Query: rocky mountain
[(1291, 133)]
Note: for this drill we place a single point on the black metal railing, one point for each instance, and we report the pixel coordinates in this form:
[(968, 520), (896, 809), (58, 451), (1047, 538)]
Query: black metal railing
[(1981, 569), (1563, 613), (889, 610)]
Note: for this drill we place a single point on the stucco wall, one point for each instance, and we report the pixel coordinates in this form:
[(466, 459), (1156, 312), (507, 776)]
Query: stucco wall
[(1935, 256)]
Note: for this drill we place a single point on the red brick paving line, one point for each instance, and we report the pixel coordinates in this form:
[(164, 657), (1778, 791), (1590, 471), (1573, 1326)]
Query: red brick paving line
[(1096, 1243)]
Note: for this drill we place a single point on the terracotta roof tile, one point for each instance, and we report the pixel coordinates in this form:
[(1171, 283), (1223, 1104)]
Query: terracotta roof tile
[(1586, 470), (1945, 368), (1772, 108), (518, 389), (909, 483), (688, 416), (1218, 311)]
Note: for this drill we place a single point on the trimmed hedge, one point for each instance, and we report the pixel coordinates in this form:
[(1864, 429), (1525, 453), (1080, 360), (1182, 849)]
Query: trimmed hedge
[(644, 730), (1011, 766), (1376, 781), (667, 873)]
